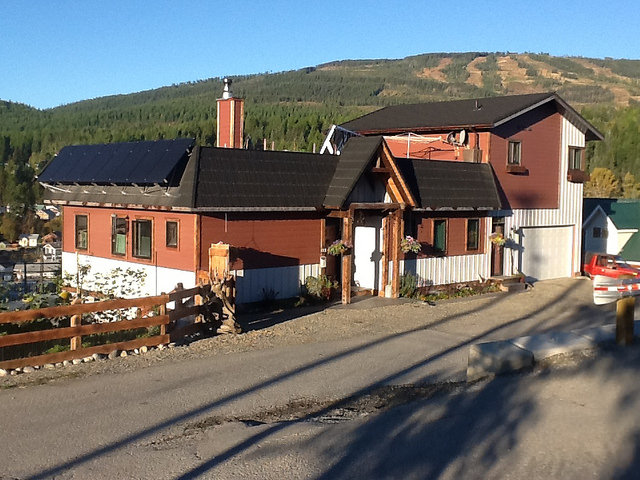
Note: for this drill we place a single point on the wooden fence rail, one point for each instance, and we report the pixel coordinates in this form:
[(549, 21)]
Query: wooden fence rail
[(76, 331)]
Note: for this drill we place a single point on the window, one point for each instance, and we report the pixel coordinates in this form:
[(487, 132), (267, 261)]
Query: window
[(118, 235), (440, 235), (172, 234), (142, 238), (82, 232), (575, 158), (473, 233), (514, 154), (600, 232)]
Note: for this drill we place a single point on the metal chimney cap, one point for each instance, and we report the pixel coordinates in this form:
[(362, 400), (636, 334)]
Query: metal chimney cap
[(226, 91)]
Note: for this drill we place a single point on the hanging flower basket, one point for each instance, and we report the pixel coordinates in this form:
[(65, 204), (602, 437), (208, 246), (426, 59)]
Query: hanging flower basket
[(497, 239), (410, 244), (339, 247)]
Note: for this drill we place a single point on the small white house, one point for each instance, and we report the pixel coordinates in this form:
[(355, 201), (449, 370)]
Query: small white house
[(51, 252), (611, 226), (28, 240)]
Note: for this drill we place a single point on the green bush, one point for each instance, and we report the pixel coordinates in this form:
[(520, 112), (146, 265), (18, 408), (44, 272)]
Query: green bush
[(320, 287), (408, 285)]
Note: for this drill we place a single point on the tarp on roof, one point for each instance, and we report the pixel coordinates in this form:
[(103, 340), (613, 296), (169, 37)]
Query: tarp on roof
[(146, 162)]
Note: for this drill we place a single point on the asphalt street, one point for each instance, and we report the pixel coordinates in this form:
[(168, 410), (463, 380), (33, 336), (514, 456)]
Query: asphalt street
[(280, 413)]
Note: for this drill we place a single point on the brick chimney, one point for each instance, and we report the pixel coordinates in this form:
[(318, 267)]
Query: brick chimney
[(230, 130)]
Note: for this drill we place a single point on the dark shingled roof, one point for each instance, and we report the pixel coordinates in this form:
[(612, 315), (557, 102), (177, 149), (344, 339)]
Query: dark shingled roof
[(437, 184), (146, 162), (352, 161), (482, 112), (231, 179)]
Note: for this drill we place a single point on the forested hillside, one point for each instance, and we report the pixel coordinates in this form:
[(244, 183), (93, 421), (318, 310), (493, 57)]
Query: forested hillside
[(293, 109)]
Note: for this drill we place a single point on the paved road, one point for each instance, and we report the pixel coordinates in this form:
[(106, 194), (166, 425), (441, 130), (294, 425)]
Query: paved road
[(186, 418)]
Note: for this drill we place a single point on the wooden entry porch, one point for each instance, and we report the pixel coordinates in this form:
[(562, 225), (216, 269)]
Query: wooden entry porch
[(392, 227)]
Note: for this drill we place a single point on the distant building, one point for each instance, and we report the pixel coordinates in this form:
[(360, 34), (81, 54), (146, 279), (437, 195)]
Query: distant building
[(28, 240)]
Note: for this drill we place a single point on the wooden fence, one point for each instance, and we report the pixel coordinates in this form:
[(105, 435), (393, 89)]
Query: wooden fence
[(161, 317)]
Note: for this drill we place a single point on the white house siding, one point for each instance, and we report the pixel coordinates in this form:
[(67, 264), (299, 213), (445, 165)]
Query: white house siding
[(259, 284), (445, 270), (604, 243), (451, 269), (157, 281), (569, 212)]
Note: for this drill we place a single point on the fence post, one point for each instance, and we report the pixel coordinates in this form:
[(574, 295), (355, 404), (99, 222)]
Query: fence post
[(162, 309), (76, 321)]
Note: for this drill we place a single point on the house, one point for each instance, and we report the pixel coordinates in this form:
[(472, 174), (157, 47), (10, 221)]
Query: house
[(160, 205), (28, 240), (6, 271), (51, 252), (534, 145), (46, 212), (611, 226)]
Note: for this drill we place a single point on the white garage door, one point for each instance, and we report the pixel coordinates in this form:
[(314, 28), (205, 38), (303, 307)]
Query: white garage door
[(547, 252)]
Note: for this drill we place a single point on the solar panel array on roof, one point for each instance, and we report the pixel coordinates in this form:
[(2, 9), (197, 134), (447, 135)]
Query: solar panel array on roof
[(146, 162)]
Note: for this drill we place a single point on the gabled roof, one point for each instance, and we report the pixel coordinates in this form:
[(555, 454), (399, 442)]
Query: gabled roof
[(146, 162), (623, 212), (625, 215), (352, 162), (442, 185), (234, 179), (486, 112)]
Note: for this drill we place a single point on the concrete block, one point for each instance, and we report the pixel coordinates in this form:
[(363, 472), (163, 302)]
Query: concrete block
[(493, 358), (598, 335), (546, 345)]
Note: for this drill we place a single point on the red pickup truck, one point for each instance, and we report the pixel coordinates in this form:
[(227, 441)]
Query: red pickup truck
[(607, 265)]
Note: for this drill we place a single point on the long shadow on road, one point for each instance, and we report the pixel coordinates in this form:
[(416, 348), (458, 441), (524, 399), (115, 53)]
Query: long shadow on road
[(212, 463)]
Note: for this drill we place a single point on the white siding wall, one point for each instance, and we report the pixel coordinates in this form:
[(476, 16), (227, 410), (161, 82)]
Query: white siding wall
[(453, 269), (569, 212), (283, 282), (158, 279)]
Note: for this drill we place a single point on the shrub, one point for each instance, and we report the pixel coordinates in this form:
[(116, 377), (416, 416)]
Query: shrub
[(320, 287), (408, 285)]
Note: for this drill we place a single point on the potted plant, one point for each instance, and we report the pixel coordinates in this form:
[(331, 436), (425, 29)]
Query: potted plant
[(339, 247), (410, 244), (497, 239)]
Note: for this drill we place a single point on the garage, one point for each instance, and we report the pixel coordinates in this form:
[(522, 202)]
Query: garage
[(546, 252)]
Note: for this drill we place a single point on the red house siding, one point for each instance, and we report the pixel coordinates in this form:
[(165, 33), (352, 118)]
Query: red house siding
[(267, 240), (181, 257), (539, 132), (456, 235)]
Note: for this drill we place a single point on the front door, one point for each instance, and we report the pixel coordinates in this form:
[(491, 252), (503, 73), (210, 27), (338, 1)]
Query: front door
[(497, 251), (367, 252)]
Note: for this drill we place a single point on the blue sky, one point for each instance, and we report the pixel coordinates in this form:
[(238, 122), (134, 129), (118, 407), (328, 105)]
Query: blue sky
[(57, 52)]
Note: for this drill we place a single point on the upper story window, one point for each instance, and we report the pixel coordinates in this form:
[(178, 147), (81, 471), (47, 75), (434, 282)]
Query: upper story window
[(118, 235), (82, 232), (440, 235), (576, 156), (473, 233), (142, 232), (172, 234), (576, 167), (514, 156)]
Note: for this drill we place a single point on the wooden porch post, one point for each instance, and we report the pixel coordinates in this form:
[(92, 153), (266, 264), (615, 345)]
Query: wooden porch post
[(385, 255), (347, 236), (396, 234)]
